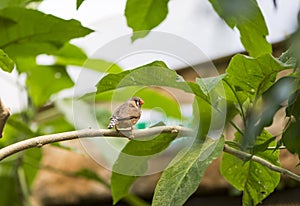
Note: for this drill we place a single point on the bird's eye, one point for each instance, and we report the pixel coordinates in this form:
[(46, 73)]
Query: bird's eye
[(137, 102)]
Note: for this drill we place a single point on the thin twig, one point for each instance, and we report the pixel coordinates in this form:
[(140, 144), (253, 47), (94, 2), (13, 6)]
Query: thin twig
[(51, 138), (243, 155), (4, 114)]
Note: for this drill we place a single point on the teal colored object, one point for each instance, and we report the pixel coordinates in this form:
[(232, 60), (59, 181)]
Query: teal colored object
[(141, 125)]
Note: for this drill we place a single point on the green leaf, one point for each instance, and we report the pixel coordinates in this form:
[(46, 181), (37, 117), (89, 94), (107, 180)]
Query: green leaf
[(247, 17), (6, 22), (210, 115), (263, 146), (31, 163), (262, 113), (78, 3), (210, 83), (221, 96), (255, 180), (156, 73), (35, 32), (290, 136), (132, 162), (16, 121), (55, 79), (142, 16), (182, 177), (202, 114), (56, 124), (253, 75), (153, 74), (6, 63), (72, 55), (288, 57), (9, 193), (43, 81), (16, 129), (295, 43)]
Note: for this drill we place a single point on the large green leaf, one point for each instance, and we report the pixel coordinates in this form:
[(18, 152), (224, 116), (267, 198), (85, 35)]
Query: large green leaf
[(153, 74), (255, 180), (36, 32), (142, 16), (181, 179), (132, 162), (253, 75), (6, 64), (43, 81), (248, 19)]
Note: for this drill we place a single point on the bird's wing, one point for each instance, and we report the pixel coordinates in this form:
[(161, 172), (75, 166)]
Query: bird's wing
[(127, 111)]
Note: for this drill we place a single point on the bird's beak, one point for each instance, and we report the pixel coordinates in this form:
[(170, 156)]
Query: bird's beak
[(141, 102)]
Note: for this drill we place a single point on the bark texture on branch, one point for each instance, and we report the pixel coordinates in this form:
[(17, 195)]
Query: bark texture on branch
[(4, 114)]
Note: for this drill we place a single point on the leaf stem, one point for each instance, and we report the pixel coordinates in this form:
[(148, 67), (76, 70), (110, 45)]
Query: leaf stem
[(236, 127), (238, 100)]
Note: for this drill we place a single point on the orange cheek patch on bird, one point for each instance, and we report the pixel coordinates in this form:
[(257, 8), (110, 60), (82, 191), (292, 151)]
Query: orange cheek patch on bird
[(126, 115)]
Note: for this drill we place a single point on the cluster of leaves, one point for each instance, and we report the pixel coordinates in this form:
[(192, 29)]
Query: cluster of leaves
[(257, 102), (249, 88)]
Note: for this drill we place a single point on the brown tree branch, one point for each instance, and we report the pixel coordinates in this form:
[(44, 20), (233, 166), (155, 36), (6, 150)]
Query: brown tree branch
[(4, 114), (243, 155), (178, 131), (51, 138)]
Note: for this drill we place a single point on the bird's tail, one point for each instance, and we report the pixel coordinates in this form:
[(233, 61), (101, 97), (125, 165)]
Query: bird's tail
[(112, 122)]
